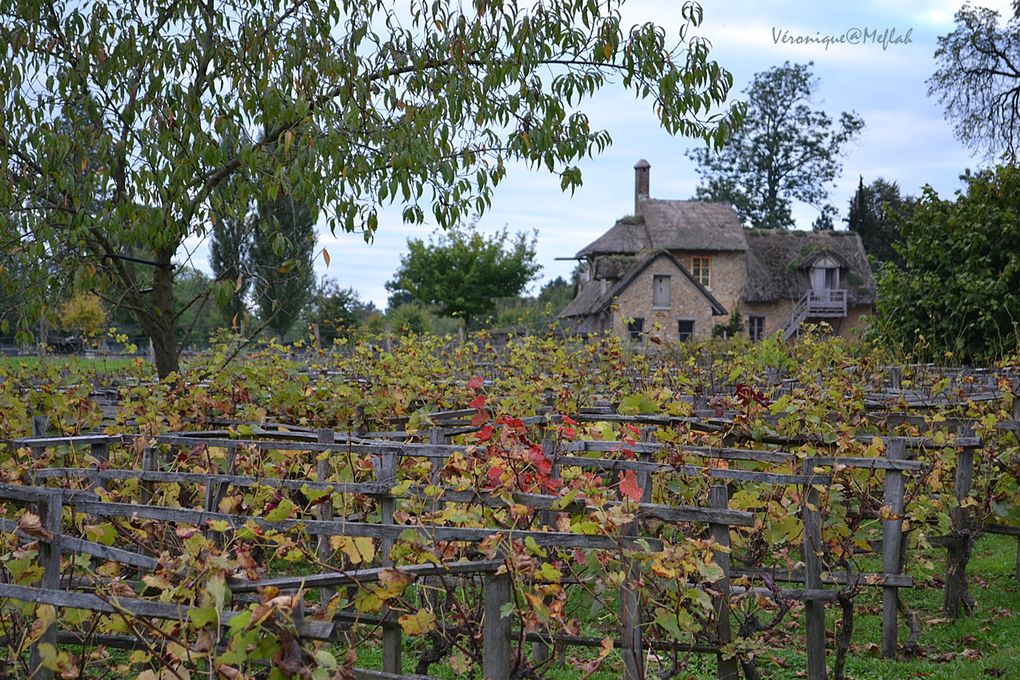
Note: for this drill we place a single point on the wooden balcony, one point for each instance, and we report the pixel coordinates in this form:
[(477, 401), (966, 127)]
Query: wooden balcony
[(826, 303), (816, 304)]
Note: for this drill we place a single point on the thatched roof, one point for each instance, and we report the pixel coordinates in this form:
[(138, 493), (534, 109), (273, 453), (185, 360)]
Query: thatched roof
[(595, 296), (672, 225), (778, 261)]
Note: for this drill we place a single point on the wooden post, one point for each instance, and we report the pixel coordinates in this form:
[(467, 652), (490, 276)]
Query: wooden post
[(386, 471), (214, 492), (39, 426), (542, 651), (148, 465), (437, 437), (49, 511), (728, 669), (892, 541), (955, 597), (1016, 434), (324, 511), (630, 598), (896, 377), (101, 453), (814, 609), (496, 660)]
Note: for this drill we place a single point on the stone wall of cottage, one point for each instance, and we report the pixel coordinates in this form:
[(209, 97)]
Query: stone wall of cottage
[(856, 321), (728, 275), (777, 313), (686, 302)]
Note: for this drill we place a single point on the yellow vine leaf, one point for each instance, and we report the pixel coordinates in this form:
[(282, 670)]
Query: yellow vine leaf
[(419, 623), (358, 550)]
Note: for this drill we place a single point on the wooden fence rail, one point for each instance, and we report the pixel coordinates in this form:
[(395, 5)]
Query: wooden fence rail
[(718, 519)]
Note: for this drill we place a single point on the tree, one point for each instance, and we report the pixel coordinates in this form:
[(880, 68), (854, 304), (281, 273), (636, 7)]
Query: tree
[(18, 276), (427, 105), (876, 211), (230, 249), (194, 302), (84, 315), (463, 272), (977, 80), (957, 290), (335, 311), (558, 293), (825, 220), (281, 261), (783, 151)]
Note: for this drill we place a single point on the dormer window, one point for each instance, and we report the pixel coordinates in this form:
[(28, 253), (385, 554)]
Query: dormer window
[(825, 274)]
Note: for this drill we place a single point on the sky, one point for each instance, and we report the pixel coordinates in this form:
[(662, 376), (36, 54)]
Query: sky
[(905, 138)]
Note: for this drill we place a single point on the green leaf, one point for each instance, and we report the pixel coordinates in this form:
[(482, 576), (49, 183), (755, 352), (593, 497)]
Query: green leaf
[(710, 571), (680, 624), (282, 511), (202, 616)]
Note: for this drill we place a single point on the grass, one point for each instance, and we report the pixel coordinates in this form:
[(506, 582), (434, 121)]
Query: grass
[(985, 645), (71, 362)]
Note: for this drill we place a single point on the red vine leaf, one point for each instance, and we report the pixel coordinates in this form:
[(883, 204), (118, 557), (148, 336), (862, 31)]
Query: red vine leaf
[(629, 486)]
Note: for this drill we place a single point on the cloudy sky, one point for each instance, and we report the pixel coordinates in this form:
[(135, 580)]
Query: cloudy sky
[(905, 138)]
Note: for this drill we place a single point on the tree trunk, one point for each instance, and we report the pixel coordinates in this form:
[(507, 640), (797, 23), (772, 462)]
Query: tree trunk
[(159, 322), (164, 346)]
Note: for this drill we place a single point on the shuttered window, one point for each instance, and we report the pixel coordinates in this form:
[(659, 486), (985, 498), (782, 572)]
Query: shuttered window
[(660, 292)]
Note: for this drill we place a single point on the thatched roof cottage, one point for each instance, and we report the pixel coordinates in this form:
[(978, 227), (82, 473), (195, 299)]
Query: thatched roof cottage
[(677, 269)]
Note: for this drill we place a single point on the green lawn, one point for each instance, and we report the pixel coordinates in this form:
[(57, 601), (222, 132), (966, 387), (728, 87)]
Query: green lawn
[(72, 362)]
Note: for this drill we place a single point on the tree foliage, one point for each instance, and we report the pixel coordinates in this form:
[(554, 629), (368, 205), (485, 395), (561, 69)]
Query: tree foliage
[(230, 249), (281, 261), (83, 314), (958, 286), (978, 81), (425, 104), (876, 211), (463, 272), (196, 309), (336, 311), (783, 151)]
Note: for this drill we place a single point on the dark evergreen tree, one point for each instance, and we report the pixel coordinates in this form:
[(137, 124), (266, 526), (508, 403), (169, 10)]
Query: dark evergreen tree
[(826, 220), (876, 211)]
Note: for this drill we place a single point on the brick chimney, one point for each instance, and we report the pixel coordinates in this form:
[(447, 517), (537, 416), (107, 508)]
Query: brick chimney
[(640, 184)]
